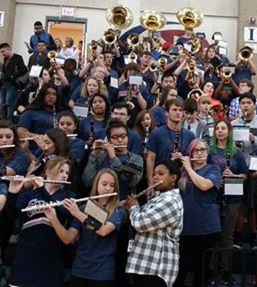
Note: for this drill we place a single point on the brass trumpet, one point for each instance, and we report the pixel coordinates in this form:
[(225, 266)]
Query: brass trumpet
[(152, 20), (132, 57), (133, 40), (119, 16), (163, 61), (245, 53), (52, 55), (109, 37), (93, 45), (227, 73), (153, 67)]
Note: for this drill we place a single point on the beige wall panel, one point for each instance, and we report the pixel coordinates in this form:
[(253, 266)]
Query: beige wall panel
[(228, 8)]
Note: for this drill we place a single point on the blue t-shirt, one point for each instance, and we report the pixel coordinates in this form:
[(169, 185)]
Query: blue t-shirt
[(19, 163), (241, 73), (237, 165), (201, 209), (77, 148), (85, 126), (96, 255), (135, 143), (76, 93), (37, 120), (159, 116), (161, 142)]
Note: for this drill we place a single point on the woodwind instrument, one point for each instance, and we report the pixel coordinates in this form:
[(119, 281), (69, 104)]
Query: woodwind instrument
[(147, 189), (72, 135), (199, 158), (7, 146), (176, 143), (20, 178), (59, 203), (32, 138), (147, 134), (115, 146)]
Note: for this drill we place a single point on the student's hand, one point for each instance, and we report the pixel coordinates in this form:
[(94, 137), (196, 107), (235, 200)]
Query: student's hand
[(228, 173), (50, 213), (110, 149), (176, 155), (186, 163), (16, 185), (130, 201), (71, 206)]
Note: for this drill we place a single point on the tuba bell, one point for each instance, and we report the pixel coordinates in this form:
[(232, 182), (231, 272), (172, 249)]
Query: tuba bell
[(119, 16), (189, 17), (245, 53), (152, 20)]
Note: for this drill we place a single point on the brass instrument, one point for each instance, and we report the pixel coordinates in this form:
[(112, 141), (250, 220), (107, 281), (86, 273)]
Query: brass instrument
[(153, 67), (52, 55), (226, 73), (195, 94), (245, 53), (133, 40), (152, 20), (189, 17), (119, 16), (109, 37), (133, 57), (93, 45)]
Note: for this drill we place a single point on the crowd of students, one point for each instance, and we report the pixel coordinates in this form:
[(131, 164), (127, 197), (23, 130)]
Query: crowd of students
[(113, 123)]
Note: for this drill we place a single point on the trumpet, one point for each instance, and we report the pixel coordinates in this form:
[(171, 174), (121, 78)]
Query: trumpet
[(163, 61), (52, 55), (227, 73), (153, 67), (93, 45), (133, 57), (41, 207), (133, 40), (245, 53), (20, 178), (109, 37)]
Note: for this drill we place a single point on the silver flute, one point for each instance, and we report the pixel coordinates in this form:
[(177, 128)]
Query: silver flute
[(20, 178), (33, 138), (59, 203), (7, 146)]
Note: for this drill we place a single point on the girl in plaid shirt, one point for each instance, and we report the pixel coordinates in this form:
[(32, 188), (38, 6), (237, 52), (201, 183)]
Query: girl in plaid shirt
[(154, 255)]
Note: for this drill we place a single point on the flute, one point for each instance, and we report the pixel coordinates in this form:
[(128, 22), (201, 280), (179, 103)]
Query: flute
[(59, 203), (144, 191), (20, 178), (115, 146), (147, 189), (32, 138), (7, 146), (198, 158)]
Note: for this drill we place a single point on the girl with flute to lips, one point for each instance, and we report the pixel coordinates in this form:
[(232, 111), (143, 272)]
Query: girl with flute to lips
[(95, 260), (154, 256), (38, 258), (232, 163), (200, 186)]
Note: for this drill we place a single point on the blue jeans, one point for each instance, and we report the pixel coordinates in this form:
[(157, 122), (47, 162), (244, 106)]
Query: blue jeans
[(9, 94)]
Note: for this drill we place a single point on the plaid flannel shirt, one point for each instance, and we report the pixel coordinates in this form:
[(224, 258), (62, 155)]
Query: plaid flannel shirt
[(155, 250)]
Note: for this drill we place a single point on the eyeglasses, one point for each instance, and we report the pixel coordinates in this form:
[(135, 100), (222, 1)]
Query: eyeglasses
[(116, 137), (200, 149)]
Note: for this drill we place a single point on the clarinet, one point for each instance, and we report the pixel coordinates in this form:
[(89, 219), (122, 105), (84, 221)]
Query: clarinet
[(54, 117), (176, 143), (227, 165), (91, 136), (228, 157), (147, 134)]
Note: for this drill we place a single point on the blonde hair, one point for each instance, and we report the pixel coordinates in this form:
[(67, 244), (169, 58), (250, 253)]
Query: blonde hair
[(113, 201), (54, 165), (84, 92)]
